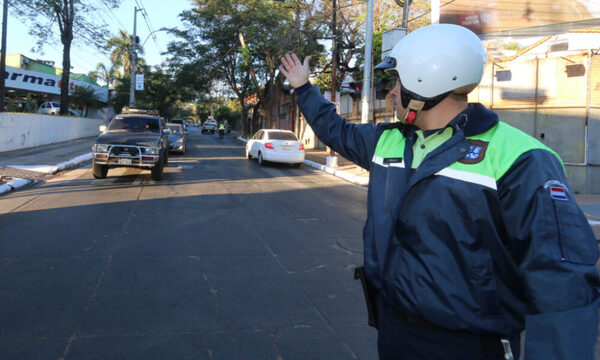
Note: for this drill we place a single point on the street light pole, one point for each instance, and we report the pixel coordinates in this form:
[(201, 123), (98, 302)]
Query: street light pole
[(334, 58), (133, 60), (366, 94), (435, 11), (3, 57)]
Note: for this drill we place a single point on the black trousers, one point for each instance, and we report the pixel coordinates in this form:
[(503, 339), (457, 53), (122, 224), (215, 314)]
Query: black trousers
[(405, 338)]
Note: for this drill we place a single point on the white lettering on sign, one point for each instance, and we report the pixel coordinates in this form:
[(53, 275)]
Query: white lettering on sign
[(40, 82)]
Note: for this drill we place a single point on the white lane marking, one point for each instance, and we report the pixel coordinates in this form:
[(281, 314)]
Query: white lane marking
[(594, 222)]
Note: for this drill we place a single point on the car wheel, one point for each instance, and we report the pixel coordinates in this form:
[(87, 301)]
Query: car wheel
[(260, 159), (157, 170), (297, 165), (166, 159), (99, 170)]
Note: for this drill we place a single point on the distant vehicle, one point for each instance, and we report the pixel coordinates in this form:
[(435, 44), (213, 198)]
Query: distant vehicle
[(277, 146), (52, 108), (136, 138), (181, 122), (196, 124), (209, 126), (177, 140)]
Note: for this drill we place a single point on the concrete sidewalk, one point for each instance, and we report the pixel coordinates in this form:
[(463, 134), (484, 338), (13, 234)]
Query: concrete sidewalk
[(20, 168)]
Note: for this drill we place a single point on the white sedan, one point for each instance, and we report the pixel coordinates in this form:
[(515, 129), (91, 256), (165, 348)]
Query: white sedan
[(276, 146)]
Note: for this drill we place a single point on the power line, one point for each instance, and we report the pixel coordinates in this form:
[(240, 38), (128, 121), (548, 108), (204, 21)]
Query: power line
[(115, 16), (149, 26)]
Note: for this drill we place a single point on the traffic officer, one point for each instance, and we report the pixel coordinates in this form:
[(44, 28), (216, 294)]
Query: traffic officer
[(472, 234)]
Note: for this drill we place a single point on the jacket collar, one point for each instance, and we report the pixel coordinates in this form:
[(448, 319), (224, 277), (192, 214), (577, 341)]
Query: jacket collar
[(474, 120)]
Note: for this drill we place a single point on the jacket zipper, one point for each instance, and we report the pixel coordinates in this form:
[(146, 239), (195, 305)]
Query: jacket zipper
[(559, 235)]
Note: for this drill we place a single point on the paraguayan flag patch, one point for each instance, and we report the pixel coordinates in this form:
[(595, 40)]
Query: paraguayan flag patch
[(558, 190)]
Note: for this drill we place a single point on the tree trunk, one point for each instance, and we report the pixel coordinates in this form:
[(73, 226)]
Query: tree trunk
[(244, 117), (65, 18), (64, 81)]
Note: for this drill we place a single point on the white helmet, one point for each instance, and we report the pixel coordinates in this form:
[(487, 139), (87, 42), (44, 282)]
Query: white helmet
[(435, 60)]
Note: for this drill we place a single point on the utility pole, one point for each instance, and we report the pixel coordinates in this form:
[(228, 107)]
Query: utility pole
[(3, 58), (332, 159), (366, 94), (435, 11), (133, 59)]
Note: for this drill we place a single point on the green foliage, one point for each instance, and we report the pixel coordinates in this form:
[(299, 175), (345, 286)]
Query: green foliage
[(161, 93), (513, 45), (85, 98), (203, 110), (210, 44), (120, 53), (50, 20)]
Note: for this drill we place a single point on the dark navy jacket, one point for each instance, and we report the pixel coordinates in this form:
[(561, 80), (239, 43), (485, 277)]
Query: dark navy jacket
[(483, 236)]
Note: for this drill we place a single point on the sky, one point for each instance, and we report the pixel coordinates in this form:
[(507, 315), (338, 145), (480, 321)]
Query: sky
[(84, 58)]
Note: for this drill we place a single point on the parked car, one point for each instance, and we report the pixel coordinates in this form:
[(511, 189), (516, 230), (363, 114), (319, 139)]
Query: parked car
[(276, 146), (177, 138), (53, 108), (135, 138), (209, 126), (181, 122)]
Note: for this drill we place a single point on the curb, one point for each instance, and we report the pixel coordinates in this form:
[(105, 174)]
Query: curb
[(358, 180), (13, 185), (48, 169)]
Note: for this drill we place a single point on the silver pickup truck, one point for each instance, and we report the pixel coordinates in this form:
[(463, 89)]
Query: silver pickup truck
[(133, 139)]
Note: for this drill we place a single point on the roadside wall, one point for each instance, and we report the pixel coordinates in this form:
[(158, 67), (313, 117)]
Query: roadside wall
[(18, 131), (555, 99)]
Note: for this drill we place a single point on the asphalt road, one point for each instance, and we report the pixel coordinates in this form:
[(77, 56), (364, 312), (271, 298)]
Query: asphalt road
[(223, 259)]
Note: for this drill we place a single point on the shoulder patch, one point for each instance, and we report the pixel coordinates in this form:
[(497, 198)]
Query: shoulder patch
[(558, 190), (476, 152)]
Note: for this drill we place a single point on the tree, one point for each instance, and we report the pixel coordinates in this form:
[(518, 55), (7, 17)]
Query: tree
[(350, 35), (241, 43), (85, 98), (161, 92), (70, 17), (104, 74), (120, 52)]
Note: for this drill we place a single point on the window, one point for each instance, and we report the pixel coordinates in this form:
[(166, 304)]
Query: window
[(280, 135), (176, 130), (503, 75), (135, 124), (575, 70)]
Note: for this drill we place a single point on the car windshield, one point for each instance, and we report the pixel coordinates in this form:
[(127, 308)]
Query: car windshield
[(176, 130), (56, 105), (135, 124), (280, 135)]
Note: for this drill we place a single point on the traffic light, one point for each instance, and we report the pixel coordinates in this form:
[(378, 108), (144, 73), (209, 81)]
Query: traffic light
[(356, 88)]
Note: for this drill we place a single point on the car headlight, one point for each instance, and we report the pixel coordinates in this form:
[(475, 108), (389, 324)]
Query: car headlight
[(100, 148), (179, 141), (150, 150)]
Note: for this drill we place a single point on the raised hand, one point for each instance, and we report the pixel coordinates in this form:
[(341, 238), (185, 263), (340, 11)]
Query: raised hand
[(295, 71)]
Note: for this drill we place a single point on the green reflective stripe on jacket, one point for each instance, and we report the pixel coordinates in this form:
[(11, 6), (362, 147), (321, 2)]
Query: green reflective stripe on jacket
[(505, 144), (390, 144), (499, 147)]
